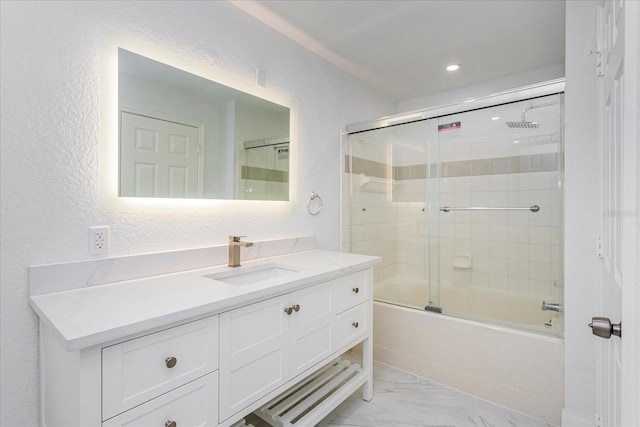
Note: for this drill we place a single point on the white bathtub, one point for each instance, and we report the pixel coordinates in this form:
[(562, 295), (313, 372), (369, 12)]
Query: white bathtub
[(517, 369), (484, 305)]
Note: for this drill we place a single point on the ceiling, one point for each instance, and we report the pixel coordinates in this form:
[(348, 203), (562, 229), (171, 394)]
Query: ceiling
[(402, 47)]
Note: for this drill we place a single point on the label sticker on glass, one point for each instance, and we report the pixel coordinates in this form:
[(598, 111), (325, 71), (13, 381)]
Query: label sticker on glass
[(283, 153), (449, 126)]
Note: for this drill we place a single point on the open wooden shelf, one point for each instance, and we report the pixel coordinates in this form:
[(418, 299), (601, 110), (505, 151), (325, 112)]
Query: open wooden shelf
[(311, 400)]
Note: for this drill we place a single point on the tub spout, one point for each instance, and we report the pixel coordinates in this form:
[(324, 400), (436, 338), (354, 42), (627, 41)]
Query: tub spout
[(551, 307)]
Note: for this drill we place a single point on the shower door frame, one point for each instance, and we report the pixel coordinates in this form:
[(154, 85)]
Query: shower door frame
[(548, 88), (470, 104)]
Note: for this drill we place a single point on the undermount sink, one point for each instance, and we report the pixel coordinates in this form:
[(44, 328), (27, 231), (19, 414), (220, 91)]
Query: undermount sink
[(252, 274)]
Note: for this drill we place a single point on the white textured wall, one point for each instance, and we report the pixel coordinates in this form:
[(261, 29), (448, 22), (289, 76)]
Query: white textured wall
[(50, 147)]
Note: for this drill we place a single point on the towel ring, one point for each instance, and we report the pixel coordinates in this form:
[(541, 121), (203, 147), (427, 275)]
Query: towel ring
[(314, 196)]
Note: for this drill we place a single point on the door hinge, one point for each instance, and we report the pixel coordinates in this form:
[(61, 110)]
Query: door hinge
[(599, 66), (599, 247)]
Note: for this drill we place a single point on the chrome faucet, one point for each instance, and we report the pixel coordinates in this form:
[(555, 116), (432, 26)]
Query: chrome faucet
[(234, 250), (551, 307)]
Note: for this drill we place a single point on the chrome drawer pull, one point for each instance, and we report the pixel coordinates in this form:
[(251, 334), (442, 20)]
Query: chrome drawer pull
[(355, 324), (170, 424), (296, 308), (355, 290), (171, 362)]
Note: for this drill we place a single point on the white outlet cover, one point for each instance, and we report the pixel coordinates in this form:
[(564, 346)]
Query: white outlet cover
[(99, 240)]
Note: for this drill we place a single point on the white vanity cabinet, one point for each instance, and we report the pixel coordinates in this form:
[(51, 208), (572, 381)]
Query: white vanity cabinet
[(169, 376), (269, 343), (265, 344), (212, 368)]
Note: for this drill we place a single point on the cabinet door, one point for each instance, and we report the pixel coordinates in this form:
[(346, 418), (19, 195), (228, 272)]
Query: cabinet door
[(312, 327), (253, 353)]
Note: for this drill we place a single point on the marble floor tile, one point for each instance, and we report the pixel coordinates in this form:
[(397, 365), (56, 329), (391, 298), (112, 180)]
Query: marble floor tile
[(404, 400)]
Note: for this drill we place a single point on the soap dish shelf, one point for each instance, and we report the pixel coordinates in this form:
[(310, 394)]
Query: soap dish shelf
[(308, 402)]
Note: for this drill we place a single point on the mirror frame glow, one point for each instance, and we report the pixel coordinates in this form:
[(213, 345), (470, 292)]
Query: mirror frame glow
[(109, 129)]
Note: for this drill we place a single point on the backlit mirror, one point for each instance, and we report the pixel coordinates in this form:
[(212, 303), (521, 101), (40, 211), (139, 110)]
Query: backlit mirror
[(184, 136)]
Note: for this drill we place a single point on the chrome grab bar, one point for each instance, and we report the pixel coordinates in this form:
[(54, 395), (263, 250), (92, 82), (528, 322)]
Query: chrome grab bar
[(533, 208)]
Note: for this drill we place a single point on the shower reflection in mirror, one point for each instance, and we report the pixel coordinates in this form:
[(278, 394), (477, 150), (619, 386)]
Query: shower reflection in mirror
[(264, 169)]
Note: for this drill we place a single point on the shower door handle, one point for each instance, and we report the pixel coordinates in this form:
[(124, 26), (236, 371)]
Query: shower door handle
[(602, 327)]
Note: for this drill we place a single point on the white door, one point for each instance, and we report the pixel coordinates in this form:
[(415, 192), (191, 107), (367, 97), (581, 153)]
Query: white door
[(618, 359), (158, 158)]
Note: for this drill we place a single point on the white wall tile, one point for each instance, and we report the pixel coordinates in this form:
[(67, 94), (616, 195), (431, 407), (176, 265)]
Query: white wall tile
[(499, 233), (540, 253), (480, 280), (518, 268), (539, 270), (540, 235), (518, 251)]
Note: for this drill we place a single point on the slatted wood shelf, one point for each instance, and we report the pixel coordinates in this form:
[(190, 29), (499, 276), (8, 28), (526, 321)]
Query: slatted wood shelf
[(311, 400)]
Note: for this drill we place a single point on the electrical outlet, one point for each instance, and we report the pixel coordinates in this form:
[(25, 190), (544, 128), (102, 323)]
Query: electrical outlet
[(99, 240)]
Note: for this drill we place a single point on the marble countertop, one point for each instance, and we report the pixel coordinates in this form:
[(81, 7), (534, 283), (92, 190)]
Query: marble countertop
[(94, 315)]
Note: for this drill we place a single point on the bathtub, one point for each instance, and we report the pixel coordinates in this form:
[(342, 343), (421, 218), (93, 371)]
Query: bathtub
[(483, 305), (521, 369)]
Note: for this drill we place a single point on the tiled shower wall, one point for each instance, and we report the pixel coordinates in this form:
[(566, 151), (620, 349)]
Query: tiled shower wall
[(385, 209), (514, 251)]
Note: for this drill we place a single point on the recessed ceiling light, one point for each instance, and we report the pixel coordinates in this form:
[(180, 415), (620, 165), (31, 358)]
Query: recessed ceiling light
[(516, 141), (495, 118), (453, 67)]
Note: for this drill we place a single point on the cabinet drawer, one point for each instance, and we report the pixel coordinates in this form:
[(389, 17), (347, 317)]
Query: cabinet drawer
[(194, 404), (351, 290), (136, 371), (352, 324)]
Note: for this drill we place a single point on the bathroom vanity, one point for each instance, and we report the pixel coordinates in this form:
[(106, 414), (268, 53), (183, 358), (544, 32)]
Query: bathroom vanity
[(209, 346)]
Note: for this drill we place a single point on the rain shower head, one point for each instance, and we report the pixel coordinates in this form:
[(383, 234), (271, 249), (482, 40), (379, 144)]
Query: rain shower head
[(523, 125)]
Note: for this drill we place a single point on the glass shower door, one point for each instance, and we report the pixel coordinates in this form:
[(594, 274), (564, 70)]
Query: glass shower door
[(498, 199), (385, 201)]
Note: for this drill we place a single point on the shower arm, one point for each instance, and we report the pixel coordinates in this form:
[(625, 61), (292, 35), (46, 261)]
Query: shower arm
[(531, 107)]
